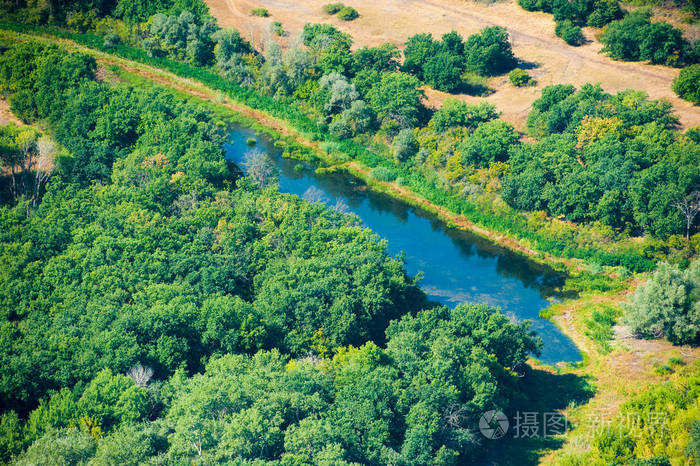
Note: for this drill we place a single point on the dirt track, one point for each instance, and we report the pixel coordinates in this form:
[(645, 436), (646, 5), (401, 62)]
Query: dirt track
[(532, 34)]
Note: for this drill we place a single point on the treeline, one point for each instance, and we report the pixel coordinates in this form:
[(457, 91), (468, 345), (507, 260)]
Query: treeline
[(147, 260), (86, 14)]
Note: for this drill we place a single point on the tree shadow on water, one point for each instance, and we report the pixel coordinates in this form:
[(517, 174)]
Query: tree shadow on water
[(544, 393)]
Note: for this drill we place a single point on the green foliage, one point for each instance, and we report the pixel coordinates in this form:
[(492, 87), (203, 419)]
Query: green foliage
[(396, 98), (618, 163), (356, 119), (364, 405), (442, 63), (60, 448), (637, 38), (444, 71), (348, 13), (163, 262), (489, 52), (404, 146), (520, 78), (569, 32), (596, 13), (660, 420), (383, 58), (599, 327), (11, 439), (490, 142), (262, 12), (320, 36), (687, 84), (277, 28), (182, 37), (668, 304), (419, 49), (383, 174), (454, 113), (333, 8)]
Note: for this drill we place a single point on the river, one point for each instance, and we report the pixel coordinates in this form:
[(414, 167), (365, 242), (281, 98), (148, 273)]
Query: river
[(457, 266)]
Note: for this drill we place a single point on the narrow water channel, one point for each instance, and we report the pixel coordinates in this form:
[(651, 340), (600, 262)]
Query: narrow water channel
[(457, 266)]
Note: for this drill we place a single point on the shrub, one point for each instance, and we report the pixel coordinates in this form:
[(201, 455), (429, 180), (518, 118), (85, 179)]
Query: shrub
[(383, 174), (277, 28), (262, 12), (520, 78), (489, 52), (444, 72), (667, 305), (687, 84), (637, 38), (348, 13), (404, 145), (599, 327), (569, 32), (333, 8), (604, 11), (111, 40)]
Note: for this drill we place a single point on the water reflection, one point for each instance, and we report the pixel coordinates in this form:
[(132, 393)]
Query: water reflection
[(457, 266)]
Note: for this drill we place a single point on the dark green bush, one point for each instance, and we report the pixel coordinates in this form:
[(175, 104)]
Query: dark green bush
[(383, 174), (637, 38), (570, 33), (687, 84)]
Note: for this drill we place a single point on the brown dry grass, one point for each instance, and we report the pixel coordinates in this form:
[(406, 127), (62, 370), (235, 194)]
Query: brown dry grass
[(532, 35), (6, 115)]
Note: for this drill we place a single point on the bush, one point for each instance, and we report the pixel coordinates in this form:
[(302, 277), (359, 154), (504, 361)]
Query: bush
[(668, 305), (404, 146), (687, 84), (444, 72), (262, 12), (348, 13), (569, 32), (604, 12), (333, 8), (277, 28), (596, 13), (489, 52), (520, 78), (111, 40), (637, 38), (383, 174)]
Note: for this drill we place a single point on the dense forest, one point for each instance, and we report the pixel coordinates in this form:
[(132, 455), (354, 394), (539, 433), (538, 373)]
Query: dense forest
[(147, 255), (160, 307)]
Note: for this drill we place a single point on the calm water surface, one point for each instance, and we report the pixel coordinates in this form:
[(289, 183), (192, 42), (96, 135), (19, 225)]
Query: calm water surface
[(457, 266)]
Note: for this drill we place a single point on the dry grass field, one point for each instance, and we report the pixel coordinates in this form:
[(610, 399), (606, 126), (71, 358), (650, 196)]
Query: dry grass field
[(548, 59)]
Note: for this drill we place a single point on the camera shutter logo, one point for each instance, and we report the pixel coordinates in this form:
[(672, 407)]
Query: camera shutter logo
[(493, 424)]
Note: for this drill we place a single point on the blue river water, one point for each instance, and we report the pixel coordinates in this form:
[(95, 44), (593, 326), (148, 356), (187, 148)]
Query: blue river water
[(456, 266)]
